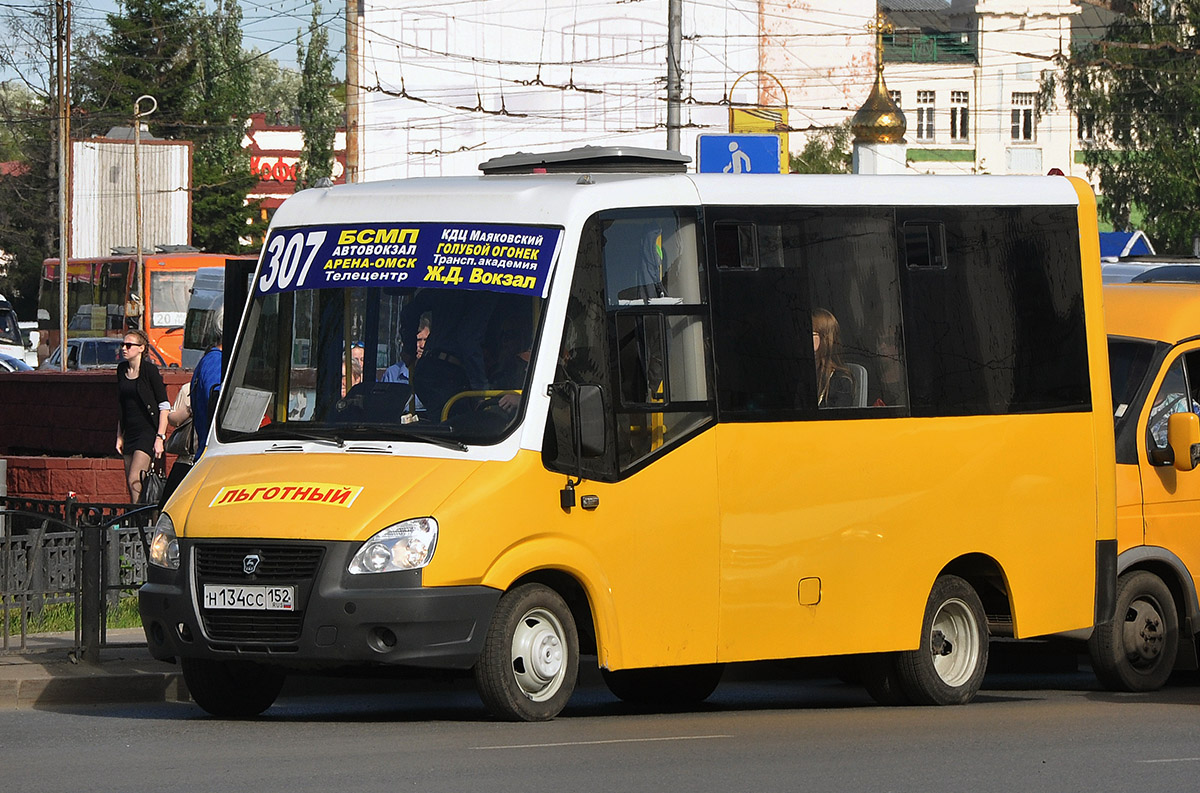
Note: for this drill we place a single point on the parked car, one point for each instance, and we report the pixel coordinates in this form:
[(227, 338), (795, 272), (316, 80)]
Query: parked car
[(11, 363), (101, 352)]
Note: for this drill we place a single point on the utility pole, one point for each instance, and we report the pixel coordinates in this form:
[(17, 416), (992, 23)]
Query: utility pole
[(354, 11), (62, 42), (674, 77), (138, 114)]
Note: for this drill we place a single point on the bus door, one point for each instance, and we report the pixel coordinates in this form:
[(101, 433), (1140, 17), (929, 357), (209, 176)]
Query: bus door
[(637, 326)]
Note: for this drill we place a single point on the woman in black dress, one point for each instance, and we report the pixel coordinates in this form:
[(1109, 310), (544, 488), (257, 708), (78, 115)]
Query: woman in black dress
[(142, 429)]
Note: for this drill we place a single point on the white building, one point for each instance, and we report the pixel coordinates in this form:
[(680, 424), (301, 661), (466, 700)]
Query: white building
[(446, 87)]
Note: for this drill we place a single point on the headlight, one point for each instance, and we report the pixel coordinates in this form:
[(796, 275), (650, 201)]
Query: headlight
[(164, 548), (407, 545)]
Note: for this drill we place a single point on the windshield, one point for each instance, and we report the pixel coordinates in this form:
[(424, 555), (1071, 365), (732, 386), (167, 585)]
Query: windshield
[(169, 295), (417, 332)]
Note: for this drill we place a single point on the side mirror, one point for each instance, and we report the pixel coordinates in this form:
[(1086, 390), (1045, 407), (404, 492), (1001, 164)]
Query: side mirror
[(1183, 436), (589, 418)]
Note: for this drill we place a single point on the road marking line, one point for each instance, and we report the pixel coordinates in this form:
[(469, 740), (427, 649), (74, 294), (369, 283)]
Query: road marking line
[(1174, 760), (599, 743)]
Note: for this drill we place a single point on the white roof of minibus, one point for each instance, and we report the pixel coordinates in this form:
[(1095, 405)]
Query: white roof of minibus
[(554, 198)]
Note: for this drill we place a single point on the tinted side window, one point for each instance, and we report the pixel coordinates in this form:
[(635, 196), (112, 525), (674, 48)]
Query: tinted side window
[(999, 328), (807, 325)]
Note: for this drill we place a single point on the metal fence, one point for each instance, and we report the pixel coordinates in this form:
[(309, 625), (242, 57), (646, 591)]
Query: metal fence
[(84, 555)]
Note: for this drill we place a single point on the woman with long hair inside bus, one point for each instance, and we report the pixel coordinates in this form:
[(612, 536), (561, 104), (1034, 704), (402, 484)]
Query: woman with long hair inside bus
[(835, 387), (142, 427)]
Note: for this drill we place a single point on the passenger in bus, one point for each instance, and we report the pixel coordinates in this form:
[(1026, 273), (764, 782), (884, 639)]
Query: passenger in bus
[(453, 358), (398, 372), (835, 386), (508, 354)]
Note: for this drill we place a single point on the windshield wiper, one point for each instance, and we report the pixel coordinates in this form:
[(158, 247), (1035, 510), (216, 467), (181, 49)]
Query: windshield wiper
[(286, 431), (427, 435)]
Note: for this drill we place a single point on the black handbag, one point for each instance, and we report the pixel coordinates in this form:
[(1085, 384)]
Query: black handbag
[(154, 480), (181, 443)]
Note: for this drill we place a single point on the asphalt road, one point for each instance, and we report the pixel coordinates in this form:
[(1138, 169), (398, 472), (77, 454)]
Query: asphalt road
[(1046, 732)]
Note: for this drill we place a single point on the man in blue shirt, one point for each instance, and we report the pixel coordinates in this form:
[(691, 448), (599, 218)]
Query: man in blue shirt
[(204, 379)]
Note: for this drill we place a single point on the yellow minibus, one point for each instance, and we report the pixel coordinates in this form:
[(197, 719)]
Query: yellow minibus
[(590, 405), (1154, 352)]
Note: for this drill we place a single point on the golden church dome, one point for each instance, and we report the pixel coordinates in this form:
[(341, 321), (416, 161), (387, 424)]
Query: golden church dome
[(879, 120)]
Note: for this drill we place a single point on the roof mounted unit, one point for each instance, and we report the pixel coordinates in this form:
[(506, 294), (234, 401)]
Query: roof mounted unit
[(590, 159)]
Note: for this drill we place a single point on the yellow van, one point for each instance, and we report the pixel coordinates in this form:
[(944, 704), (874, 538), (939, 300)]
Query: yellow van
[(1154, 352), (589, 405)]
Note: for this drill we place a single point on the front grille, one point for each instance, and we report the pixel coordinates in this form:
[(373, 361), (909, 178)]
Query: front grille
[(277, 562)]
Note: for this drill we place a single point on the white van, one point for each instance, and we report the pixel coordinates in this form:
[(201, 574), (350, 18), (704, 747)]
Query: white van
[(204, 314)]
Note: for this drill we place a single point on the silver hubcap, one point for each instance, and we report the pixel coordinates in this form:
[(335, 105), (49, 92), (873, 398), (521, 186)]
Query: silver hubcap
[(538, 650), (954, 642), (1143, 633)]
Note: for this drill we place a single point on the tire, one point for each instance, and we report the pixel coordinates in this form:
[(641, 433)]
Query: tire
[(878, 675), (530, 657), (231, 689), (1136, 650), (948, 666), (664, 687)]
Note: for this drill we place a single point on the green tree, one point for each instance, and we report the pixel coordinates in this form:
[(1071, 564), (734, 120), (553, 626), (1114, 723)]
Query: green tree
[(1137, 89), (28, 147), (149, 49), (274, 89), (826, 151), (319, 114)]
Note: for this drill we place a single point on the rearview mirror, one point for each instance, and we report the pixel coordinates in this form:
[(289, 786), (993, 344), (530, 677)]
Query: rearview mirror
[(1183, 436)]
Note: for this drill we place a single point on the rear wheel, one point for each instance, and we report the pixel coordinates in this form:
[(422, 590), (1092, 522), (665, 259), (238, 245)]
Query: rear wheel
[(1136, 650), (530, 657), (231, 689), (667, 687), (948, 667)]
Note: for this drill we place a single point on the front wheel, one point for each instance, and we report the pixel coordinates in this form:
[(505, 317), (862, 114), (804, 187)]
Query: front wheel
[(1136, 650), (231, 689), (948, 667), (530, 658)]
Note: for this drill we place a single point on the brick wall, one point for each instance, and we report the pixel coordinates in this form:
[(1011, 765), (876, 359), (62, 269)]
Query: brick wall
[(58, 432)]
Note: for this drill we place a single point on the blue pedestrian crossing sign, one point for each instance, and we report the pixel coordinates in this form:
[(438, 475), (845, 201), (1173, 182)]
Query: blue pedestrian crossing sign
[(738, 154)]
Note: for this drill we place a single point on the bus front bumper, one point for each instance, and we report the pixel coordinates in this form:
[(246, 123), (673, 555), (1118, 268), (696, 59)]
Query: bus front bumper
[(337, 619)]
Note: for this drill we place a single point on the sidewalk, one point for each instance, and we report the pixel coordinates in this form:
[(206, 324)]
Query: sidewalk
[(47, 675)]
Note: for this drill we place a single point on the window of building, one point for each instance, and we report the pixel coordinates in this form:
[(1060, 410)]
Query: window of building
[(895, 95), (925, 115), (1085, 127), (960, 104), (1023, 127)]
